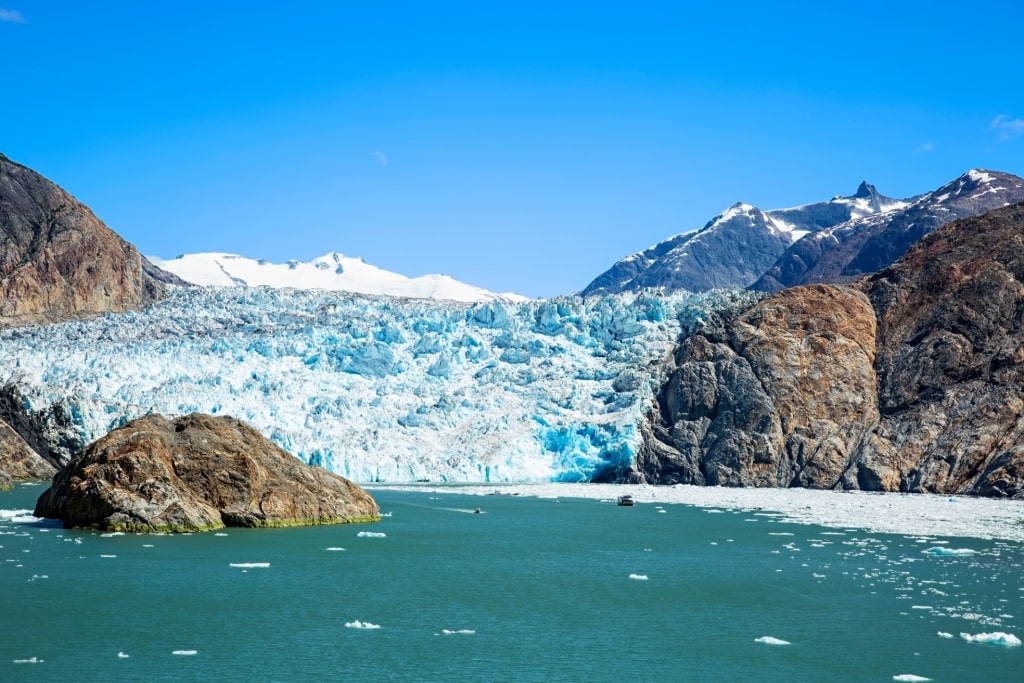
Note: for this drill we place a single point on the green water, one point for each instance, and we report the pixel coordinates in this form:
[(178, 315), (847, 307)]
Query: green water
[(543, 588)]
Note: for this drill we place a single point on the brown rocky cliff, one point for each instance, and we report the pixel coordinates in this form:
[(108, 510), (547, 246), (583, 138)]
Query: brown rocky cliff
[(57, 260), (951, 356), (197, 473), (909, 381), (780, 396)]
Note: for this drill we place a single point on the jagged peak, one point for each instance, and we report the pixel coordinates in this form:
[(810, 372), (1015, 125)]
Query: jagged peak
[(865, 190)]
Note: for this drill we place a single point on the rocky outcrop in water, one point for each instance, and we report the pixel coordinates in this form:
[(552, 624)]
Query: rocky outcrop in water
[(910, 381), (58, 261), (197, 473)]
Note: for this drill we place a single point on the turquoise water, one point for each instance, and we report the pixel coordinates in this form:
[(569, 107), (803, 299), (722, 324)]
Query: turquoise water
[(527, 590)]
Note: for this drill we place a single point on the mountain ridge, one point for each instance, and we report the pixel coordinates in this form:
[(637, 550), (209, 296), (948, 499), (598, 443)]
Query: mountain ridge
[(735, 248), (834, 241)]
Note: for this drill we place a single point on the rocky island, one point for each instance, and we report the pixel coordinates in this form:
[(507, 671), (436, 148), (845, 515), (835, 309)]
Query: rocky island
[(197, 473)]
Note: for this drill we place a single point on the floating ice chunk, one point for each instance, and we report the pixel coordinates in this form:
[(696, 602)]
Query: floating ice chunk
[(769, 640), (909, 677), (937, 550), (943, 634), (185, 653), (460, 632), (19, 517), (121, 655), (220, 534), (30, 660), (335, 549), (108, 556), (249, 565), (371, 534), (147, 545), (111, 534), (994, 638), (638, 577), (361, 624), (779, 533)]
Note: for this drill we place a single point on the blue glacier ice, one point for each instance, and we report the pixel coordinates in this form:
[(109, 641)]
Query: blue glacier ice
[(378, 388)]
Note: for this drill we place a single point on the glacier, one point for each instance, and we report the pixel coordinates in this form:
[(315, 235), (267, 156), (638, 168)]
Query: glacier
[(377, 388)]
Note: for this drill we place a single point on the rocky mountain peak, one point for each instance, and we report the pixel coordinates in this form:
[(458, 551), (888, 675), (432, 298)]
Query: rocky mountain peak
[(865, 190)]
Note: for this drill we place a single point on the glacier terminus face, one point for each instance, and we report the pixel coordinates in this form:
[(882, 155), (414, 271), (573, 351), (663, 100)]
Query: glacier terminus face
[(378, 389)]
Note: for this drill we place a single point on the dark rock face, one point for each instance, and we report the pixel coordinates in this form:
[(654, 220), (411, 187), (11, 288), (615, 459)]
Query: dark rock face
[(909, 381), (18, 460), (51, 432), (57, 260), (197, 473), (951, 356), (866, 245)]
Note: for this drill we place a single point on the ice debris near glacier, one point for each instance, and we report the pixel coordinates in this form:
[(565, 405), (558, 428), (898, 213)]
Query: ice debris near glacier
[(378, 388)]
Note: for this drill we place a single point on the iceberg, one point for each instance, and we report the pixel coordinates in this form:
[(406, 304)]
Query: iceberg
[(770, 640), (361, 624), (378, 388), (940, 551), (995, 638)]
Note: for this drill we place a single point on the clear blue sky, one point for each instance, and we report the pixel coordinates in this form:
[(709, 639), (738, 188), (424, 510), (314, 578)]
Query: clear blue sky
[(524, 148)]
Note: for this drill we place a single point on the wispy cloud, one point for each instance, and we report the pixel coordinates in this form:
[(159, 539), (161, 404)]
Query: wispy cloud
[(381, 158), (11, 15), (1006, 128), (926, 147)]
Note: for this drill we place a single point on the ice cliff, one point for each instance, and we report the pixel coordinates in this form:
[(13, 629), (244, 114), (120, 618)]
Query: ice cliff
[(378, 388)]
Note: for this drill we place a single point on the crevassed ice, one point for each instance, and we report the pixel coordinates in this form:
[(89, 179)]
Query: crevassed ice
[(378, 388)]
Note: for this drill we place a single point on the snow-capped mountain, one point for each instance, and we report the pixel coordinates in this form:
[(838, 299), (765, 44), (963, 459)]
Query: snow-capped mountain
[(867, 244), (376, 388), (333, 271), (735, 248)]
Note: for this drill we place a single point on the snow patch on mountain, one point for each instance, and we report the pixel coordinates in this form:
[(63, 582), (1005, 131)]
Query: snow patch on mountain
[(333, 272), (378, 388)]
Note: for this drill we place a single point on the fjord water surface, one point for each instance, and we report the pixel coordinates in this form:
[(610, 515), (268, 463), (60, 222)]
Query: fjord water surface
[(526, 590)]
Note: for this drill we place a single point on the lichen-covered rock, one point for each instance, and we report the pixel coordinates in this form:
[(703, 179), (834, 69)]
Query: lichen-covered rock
[(58, 261), (196, 473)]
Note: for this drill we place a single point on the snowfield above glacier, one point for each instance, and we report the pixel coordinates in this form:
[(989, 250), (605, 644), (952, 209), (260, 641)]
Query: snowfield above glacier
[(378, 389), (333, 271)]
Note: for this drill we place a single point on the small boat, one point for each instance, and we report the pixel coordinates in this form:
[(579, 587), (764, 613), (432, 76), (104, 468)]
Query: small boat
[(625, 501)]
